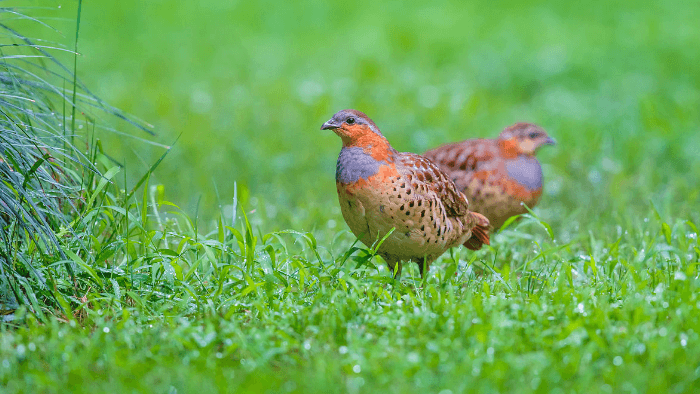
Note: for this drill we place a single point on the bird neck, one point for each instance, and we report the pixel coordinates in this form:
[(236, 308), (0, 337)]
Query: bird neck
[(373, 144), (509, 148)]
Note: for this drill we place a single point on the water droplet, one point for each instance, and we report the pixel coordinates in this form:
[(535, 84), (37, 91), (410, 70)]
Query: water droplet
[(201, 101), (594, 176), (413, 357), (428, 96), (309, 91)]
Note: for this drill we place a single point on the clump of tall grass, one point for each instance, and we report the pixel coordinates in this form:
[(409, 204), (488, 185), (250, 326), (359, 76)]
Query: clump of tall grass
[(47, 164)]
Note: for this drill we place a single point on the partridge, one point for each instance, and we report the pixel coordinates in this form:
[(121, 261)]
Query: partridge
[(497, 175), (383, 191)]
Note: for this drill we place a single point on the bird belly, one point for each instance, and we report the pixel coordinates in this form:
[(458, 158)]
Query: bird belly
[(498, 197), (371, 213), (354, 213)]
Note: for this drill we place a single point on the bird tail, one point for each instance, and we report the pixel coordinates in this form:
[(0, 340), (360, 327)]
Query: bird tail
[(480, 232)]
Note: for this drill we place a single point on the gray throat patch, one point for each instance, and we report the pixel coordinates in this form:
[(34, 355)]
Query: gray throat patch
[(525, 170), (354, 164)]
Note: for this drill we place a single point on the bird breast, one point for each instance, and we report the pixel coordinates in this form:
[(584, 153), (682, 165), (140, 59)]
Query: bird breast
[(355, 164), (525, 170), (386, 200)]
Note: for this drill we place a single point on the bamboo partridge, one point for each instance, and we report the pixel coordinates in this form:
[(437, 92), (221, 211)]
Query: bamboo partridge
[(381, 189), (497, 175)]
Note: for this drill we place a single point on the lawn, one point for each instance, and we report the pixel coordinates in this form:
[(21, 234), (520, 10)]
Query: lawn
[(170, 291)]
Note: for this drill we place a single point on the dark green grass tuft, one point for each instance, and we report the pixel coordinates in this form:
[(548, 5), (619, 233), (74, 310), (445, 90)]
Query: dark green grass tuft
[(46, 177)]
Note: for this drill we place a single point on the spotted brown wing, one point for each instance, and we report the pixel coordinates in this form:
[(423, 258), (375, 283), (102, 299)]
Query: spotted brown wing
[(464, 160), (428, 179), (463, 156)]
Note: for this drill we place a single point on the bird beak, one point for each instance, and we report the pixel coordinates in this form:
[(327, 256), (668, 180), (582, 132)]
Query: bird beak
[(550, 141), (330, 125)]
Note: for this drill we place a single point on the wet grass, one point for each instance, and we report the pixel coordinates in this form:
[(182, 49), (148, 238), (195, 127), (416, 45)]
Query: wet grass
[(258, 286), (169, 310)]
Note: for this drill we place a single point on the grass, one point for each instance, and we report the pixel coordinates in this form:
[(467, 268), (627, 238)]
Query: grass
[(198, 319), (595, 291)]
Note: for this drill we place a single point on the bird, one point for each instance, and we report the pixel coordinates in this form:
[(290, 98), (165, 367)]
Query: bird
[(497, 175), (382, 191)]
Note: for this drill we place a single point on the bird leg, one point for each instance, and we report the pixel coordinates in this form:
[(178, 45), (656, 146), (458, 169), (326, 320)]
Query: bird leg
[(422, 266)]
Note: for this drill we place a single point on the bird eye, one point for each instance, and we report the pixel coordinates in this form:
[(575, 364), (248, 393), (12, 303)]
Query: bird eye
[(350, 121), (533, 135)]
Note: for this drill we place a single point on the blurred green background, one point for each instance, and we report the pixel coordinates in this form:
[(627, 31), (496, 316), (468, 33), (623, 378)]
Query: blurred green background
[(248, 84)]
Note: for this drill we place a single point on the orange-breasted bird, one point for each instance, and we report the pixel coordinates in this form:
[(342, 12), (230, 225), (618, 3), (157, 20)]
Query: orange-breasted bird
[(497, 175), (380, 189)]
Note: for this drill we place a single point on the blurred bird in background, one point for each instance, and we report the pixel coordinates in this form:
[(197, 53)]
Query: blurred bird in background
[(497, 175)]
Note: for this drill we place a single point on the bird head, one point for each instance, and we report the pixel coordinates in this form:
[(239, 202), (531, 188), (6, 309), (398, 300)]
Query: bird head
[(354, 128), (526, 137)]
